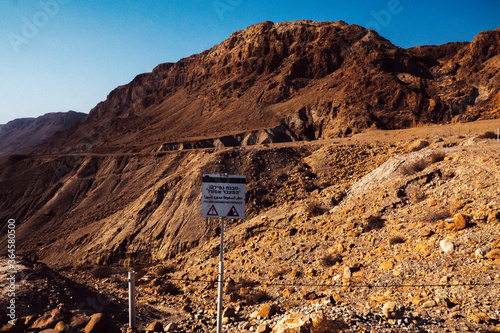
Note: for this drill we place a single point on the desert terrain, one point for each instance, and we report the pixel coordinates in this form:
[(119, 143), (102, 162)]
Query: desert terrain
[(371, 202)]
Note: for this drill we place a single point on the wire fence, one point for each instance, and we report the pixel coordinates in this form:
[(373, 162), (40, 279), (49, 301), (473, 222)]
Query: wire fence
[(349, 284)]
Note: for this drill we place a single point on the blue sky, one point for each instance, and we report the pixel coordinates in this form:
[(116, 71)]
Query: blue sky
[(60, 55)]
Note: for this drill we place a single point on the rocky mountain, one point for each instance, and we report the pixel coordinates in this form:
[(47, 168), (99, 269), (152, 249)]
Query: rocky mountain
[(22, 134), (305, 80)]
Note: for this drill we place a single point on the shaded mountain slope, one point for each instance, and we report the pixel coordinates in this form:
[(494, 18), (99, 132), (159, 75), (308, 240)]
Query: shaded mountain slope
[(22, 134)]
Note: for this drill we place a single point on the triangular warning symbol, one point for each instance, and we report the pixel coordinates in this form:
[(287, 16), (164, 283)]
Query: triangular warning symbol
[(212, 211), (233, 212)]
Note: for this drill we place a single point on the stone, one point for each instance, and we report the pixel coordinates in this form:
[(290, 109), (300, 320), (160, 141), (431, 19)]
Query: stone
[(447, 246), (387, 265), (496, 243), (171, 327), (293, 323), (493, 254), (322, 324), (493, 217), (155, 326), (481, 252), (417, 145), (347, 273), (433, 202), (429, 304), (480, 318), (264, 328), (267, 311), (79, 321), (61, 326), (287, 292), (99, 323), (460, 222), (229, 313), (50, 319), (392, 311)]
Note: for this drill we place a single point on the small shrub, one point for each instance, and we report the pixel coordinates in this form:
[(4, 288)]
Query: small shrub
[(169, 288), (437, 156), (412, 168), (283, 177), (257, 296), (374, 222), (314, 209), (330, 260), (396, 240), (164, 269), (415, 193), (436, 215), (102, 272), (447, 175), (246, 283), (488, 135)]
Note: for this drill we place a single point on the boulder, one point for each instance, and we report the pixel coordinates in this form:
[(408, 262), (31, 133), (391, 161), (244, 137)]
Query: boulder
[(229, 313), (493, 254), (50, 319), (171, 327), (155, 326), (392, 311), (99, 323), (481, 252), (293, 323), (322, 324), (264, 328), (447, 246), (267, 311)]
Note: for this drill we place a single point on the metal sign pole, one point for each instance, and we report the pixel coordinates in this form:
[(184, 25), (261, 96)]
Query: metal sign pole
[(221, 277)]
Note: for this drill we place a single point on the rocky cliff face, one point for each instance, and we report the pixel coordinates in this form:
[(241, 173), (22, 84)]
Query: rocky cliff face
[(25, 133), (323, 79)]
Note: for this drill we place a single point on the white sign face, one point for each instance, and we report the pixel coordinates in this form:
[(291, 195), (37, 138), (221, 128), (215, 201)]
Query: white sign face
[(223, 196)]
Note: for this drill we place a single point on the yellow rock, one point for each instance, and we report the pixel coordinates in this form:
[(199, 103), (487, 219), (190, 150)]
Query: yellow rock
[(387, 265), (421, 247), (460, 222), (433, 202), (480, 318), (493, 254), (496, 243)]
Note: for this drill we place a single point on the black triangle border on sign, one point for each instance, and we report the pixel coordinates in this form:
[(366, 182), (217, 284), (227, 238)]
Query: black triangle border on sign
[(231, 214), (212, 209)]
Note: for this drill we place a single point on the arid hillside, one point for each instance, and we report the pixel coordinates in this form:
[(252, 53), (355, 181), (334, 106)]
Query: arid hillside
[(26, 133)]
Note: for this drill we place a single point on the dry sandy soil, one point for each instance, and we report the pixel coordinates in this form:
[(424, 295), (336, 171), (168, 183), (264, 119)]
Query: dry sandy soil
[(356, 224)]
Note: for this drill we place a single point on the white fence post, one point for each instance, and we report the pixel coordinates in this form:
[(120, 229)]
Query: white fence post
[(131, 299)]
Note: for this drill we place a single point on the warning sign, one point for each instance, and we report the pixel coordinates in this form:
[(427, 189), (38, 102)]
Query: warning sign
[(233, 213), (223, 196), (212, 211)]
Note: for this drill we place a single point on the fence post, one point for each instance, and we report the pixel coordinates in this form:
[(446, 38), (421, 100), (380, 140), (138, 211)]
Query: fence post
[(221, 278), (131, 299)]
